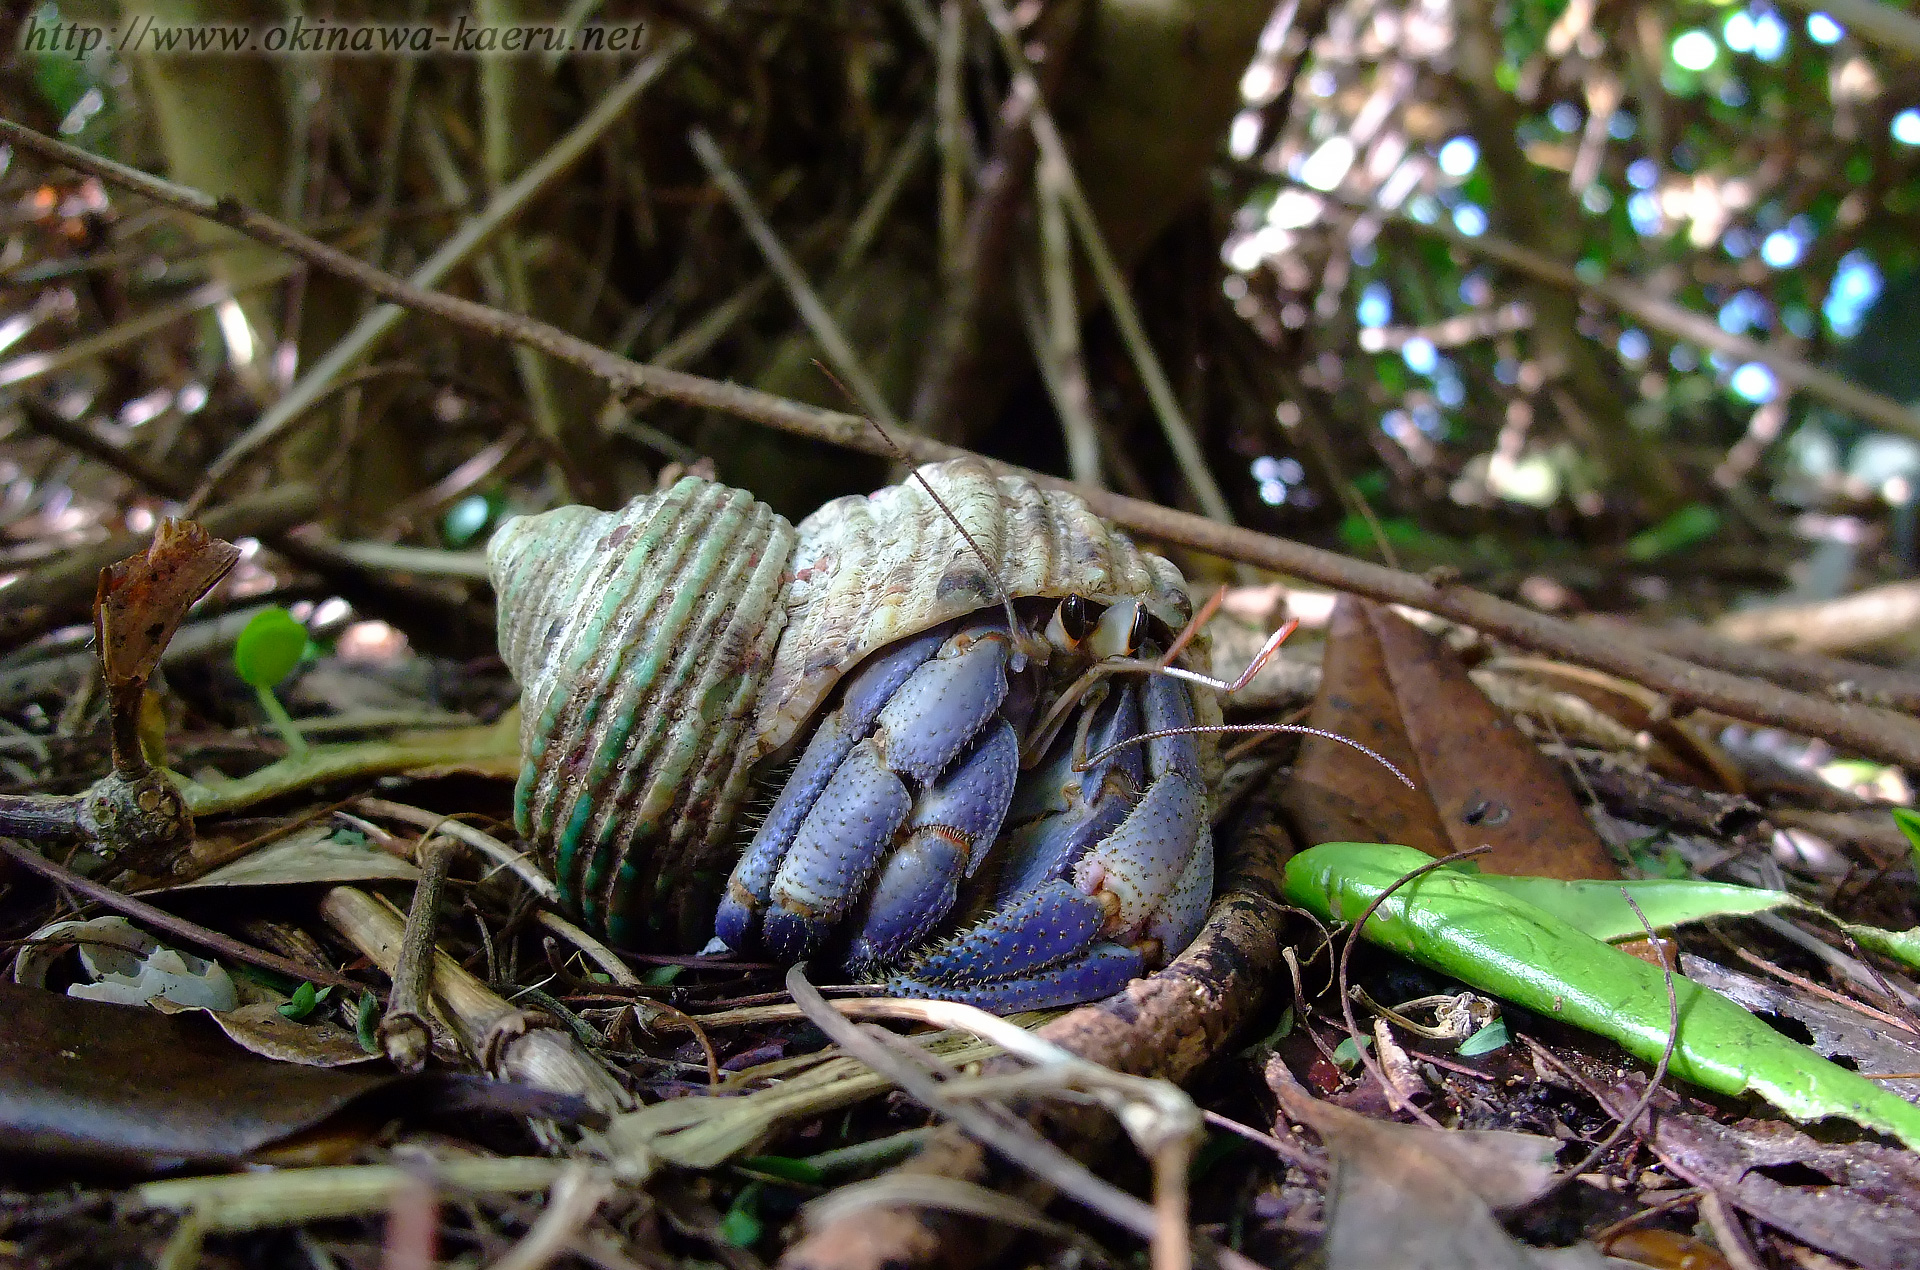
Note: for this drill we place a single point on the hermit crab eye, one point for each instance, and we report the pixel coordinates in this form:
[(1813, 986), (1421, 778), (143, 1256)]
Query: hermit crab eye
[(1121, 629), (1073, 621)]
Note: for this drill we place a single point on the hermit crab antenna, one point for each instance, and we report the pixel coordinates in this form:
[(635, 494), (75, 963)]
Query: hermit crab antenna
[(1265, 728), (999, 588)]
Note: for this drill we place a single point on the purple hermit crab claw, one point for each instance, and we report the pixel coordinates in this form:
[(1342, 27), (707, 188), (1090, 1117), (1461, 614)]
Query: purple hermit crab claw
[(1112, 864), (676, 652)]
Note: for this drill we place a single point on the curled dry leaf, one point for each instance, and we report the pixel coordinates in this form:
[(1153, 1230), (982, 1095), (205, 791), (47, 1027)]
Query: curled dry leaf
[(1397, 690), (143, 599)]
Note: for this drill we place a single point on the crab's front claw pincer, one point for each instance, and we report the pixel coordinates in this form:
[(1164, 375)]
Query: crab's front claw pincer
[(946, 838), (903, 722), (1154, 875)]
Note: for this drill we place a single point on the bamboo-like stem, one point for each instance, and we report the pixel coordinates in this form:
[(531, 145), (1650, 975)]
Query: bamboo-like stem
[(286, 1197), (1113, 284), (471, 236), (509, 1043), (1058, 351), (813, 311), (956, 159)]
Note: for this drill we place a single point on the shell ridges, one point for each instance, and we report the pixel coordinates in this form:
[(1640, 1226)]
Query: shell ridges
[(639, 638)]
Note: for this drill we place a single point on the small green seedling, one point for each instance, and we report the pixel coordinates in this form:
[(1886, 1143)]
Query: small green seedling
[(366, 1021), (305, 1000), (742, 1226), (268, 649)]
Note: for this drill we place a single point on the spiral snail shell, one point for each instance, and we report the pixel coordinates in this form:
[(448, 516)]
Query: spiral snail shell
[(667, 649)]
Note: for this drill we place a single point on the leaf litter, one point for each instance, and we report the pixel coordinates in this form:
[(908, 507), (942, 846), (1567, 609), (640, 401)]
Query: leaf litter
[(635, 1106)]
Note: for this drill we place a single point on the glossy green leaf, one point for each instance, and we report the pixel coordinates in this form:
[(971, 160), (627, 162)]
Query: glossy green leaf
[(1598, 909), (270, 647), (1458, 924)]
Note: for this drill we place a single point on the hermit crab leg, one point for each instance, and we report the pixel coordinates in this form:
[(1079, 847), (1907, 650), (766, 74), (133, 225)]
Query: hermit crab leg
[(1089, 804), (1085, 931), (867, 691), (1136, 867), (953, 824), (841, 840)]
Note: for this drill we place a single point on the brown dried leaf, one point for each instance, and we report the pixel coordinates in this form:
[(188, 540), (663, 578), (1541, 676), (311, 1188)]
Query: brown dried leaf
[(1395, 689), (1338, 794), (1858, 1200), (143, 599), (261, 1029)]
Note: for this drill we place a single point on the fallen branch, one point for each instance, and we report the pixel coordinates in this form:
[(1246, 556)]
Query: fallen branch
[(1861, 729), (1807, 672)]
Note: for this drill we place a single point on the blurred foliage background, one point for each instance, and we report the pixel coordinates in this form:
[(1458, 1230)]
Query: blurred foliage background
[(1554, 295)]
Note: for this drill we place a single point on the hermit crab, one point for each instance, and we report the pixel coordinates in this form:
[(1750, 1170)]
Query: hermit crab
[(979, 782)]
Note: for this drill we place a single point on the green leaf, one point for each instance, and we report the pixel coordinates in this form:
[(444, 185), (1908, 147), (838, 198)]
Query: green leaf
[(366, 1022), (1901, 945), (1488, 1039), (1598, 909), (1689, 525), (1346, 1053), (786, 1168), (306, 999), (742, 1226), (661, 976), (270, 647), (1909, 822), (1461, 926)]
